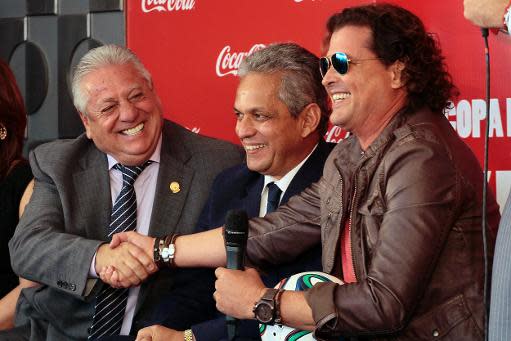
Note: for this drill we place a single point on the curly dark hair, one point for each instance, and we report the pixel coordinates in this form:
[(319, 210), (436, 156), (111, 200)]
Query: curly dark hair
[(13, 117), (399, 35)]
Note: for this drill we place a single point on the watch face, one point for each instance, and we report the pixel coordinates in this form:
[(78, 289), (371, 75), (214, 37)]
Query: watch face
[(264, 312)]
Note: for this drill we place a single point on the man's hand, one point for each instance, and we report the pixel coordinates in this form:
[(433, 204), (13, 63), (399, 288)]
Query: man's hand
[(131, 262), (237, 291), (145, 243), (159, 333), (485, 13)]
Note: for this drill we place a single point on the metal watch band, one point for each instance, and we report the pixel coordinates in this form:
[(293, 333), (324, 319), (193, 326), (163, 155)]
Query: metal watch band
[(188, 335)]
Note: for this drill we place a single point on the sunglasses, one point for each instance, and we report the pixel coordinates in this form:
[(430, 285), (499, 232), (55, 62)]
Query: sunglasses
[(340, 61)]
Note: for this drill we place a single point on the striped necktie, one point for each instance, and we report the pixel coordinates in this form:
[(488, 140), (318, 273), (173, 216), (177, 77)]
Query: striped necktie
[(110, 302), (274, 193)]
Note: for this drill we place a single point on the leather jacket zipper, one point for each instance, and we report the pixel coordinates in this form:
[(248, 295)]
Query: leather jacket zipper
[(349, 229)]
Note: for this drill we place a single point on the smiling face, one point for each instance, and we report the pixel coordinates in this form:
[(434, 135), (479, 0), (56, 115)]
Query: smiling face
[(370, 93), (123, 114), (274, 140)]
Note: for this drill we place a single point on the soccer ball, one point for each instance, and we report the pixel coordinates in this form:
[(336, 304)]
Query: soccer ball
[(297, 282)]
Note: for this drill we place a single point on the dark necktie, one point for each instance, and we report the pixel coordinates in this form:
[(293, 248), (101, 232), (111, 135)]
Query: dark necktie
[(110, 302), (273, 197)]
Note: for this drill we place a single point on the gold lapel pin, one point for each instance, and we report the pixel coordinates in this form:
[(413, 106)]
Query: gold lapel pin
[(174, 187)]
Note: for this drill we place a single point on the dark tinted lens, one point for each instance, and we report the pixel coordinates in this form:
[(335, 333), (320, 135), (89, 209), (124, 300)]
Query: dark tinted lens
[(340, 62), (324, 65)]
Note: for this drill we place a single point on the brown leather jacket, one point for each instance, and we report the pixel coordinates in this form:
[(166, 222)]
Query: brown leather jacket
[(414, 197)]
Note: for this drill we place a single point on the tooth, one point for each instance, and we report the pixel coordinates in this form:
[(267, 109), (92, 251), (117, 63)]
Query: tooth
[(254, 147), (134, 130)]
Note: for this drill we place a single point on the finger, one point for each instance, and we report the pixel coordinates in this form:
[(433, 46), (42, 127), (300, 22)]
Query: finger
[(116, 282), (129, 267), (117, 239), (144, 334), (137, 268), (143, 258), (126, 274), (219, 271)]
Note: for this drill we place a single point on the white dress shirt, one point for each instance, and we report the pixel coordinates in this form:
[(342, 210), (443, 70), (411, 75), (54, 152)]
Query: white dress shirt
[(145, 189), (282, 183)]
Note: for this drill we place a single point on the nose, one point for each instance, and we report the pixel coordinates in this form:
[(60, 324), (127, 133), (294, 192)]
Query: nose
[(127, 111), (245, 127), (331, 76)]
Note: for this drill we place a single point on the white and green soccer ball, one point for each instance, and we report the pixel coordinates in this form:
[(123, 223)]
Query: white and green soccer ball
[(297, 282)]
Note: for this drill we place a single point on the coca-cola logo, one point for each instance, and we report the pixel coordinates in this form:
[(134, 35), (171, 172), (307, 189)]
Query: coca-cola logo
[(336, 134), (167, 5), (228, 62)]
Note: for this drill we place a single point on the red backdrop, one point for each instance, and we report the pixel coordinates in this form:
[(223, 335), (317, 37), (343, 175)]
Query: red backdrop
[(193, 48)]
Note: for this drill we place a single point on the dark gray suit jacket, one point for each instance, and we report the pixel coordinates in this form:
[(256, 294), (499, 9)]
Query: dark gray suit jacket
[(67, 217)]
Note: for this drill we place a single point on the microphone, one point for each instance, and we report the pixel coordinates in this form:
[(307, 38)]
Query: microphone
[(235, 235)]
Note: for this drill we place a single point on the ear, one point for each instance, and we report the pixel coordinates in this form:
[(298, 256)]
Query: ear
[(310, 118), (86, 124), (396, 73)]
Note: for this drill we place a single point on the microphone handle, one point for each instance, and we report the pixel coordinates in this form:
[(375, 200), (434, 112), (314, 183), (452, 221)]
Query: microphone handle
[(235, 257), (235, 260)]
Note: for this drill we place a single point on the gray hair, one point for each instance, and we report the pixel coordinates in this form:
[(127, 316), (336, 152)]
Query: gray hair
[(301, 80), (99, 57)]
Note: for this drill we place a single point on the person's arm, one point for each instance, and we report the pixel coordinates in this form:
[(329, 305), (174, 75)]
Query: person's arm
[(237, 291), (160, 333), (500, 314), (48, 236), (485, 13), (8, 304)]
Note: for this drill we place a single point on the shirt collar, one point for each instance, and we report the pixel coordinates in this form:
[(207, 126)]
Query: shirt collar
[(283, 183)]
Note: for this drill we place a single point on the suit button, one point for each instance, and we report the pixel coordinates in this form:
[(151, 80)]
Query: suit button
[(435, 333)]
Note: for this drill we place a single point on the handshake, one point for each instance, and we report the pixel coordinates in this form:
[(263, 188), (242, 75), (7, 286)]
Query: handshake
[(127, 260)]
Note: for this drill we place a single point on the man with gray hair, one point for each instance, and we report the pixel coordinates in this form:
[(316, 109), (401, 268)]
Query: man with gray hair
[(131, 170)]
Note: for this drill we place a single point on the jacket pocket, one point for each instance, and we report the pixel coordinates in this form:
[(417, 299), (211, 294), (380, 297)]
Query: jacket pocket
[(451, 321), (371, 212)]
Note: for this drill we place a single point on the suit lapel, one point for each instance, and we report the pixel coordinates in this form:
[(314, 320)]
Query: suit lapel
[(168, 204), (252, 201), (93, 184)]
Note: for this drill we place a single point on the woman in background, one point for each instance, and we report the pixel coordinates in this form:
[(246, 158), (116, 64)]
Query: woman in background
[(15, 175)]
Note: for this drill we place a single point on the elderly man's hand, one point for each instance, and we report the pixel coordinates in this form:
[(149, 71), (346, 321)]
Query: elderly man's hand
[(237, 291), (485, 13), (130, 262), (159, 333)]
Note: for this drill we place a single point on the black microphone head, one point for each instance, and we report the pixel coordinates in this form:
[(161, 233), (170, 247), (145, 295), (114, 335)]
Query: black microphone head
[(236, 228)]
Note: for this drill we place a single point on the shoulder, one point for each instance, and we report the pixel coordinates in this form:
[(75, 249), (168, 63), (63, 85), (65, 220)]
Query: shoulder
[(62, 150), (199, 151), (179, 134), (235, 176), (63, 156)]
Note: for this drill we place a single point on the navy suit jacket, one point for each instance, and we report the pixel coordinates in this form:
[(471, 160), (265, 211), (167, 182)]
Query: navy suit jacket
[(240, 188)]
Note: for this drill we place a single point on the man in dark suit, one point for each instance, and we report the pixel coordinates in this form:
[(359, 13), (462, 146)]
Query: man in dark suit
[(131, 170), (282, 111)]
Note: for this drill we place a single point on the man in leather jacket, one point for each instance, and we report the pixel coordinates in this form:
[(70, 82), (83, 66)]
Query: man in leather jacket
[(398, 209)]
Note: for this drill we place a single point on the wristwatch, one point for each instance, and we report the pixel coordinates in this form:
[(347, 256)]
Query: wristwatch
[(266, 310), (188, 335)]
